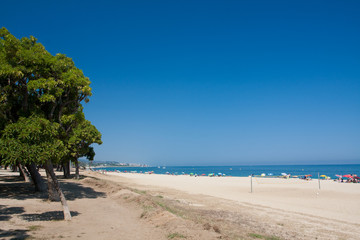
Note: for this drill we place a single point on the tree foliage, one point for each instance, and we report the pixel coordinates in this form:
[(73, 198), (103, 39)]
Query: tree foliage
[(32, 81), (35, 83), (32, 139), (41, 117)]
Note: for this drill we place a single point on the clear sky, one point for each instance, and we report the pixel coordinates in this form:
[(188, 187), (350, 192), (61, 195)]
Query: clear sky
[(210, 82)]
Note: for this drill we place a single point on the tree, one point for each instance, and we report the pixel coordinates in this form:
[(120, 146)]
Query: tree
[(36, 84), (34, 140), (34, 81), (78, 145)]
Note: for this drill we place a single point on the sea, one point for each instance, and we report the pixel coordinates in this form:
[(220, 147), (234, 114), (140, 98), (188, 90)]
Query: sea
[(244, 171)]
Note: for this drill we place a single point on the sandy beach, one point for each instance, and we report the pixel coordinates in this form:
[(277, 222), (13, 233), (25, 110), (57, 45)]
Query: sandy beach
[(337, 201), (141, 206)]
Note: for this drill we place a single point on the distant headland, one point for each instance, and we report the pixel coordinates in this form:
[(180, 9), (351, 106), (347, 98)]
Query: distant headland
[(87, 163)]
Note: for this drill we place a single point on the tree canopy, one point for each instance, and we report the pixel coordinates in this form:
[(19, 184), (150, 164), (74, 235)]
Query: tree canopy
[(36, 84), (32, 139), (41, 113), (32, 81)]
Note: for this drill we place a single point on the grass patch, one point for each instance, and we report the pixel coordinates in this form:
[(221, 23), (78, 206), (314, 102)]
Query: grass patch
[(167, 208), (159, 196), (147, 209), (255, 235), (175, 235), (259, 236), (34, 227), (139, 191)]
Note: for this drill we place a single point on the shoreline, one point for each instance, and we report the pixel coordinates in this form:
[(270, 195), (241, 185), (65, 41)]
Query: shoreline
[(261, 176), (336, 201), (305, 172)]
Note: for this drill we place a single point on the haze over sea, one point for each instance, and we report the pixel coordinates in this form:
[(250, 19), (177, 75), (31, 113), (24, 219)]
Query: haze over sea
[(244, 171)]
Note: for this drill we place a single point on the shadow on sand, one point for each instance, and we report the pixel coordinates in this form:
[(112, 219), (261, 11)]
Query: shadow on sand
[(74, 190), (5, 215), (47, 216), (14, 234), (7, 212), (12, 187)]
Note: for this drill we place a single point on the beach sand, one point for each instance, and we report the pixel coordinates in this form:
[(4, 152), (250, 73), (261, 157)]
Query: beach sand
[(338, 201), (140, 206)]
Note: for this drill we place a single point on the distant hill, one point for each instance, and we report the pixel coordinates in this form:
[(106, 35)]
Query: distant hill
[(84, 162)]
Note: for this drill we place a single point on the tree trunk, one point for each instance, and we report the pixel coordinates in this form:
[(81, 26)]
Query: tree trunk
[(14, 168), (23, 173), (66, 168), (53, 194), (77, 169), (37, 179), (50, 170)]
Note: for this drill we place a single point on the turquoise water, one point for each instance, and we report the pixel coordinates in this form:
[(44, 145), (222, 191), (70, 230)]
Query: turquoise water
[(244, 171)]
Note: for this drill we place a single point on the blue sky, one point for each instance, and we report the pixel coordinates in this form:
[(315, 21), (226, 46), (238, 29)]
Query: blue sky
[(211, 82)]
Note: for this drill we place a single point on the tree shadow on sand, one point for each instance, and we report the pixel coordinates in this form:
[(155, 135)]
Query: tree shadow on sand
[(7, 212), (14, 188), (47, 216), (73, 190), (11, 179), (14, 234)]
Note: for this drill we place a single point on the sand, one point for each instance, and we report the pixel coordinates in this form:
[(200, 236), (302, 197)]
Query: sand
[(140, 206), (337, 201)]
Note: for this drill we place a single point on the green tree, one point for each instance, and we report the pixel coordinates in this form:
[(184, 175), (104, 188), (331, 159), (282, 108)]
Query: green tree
[(35, 140), (34, 83), (79, 143)]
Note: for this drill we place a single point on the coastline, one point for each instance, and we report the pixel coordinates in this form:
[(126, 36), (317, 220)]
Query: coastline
[(336, 201), (300, 171)]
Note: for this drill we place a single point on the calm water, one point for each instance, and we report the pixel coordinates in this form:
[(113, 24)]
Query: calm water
[(244, 171)]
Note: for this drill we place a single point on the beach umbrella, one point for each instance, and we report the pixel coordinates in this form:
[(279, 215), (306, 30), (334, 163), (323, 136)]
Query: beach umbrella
[(323, 176), (203, 174), (348, 176), (284, 174), (339, 176)]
